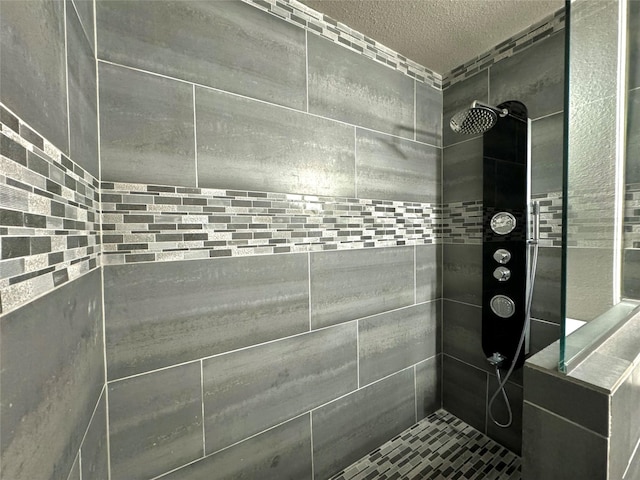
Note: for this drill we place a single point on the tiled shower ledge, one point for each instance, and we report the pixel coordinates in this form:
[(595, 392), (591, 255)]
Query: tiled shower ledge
[(440, 447)]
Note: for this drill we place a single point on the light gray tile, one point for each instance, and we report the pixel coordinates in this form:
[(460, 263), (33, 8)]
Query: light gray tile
[(392, 341), (462, 333), (458, 97), (510, 437), (249, 145), (633, 45), (554, 449), (347, 429), (632, 163), (428, 386), (85, 13), (146, 128), (464, 392), (75, 470), (52, 375), (35, 90), (251, 390), (462, 176), (155, 422), (589, 277), (631, 273), (428, 114), (83, 95), (351, 284), (94, 454), (543, 334), (428, 272), (391, 168), (165, 313), (547, 154), (546, 302), (462, 273), (227, 45), (625, 425), (350, 87), (283, 453)]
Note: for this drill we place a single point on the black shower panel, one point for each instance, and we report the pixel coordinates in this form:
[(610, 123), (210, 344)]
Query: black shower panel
[(504, 246)]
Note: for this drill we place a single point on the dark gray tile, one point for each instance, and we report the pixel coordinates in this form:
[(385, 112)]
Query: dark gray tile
[(464, 392), (35, 90), (155, 422), (94, 454), (510, 437), (462, 333), (534, 77), (589, 276), (392, 341), (458, 97), (625, 425), (83, 96), (462, 273), (555, 449), (428, 272), (633, 45), (631, 273), (248, 391), (428, 386), (249, 145), (52, 375), (227, 45), (165, 313), (283, 453), (632, 163), (345, 430), (85, 13), (350, 87), (351, 284), (543, 334), (428, 114), (546, 302), (547, 154), (462, 166), (391, 168), (146, 128)]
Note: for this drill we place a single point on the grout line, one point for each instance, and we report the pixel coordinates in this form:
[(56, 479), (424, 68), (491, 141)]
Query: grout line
[(415, 391), (415, 109), (80, 462), (106, 377), (444, 147), (66, 71), (415, 275), (582, 427), (355, 162), (195, 137), (559, 112), (311, 437), (306, 65), (358, 352), (309, 287), (204, 441)]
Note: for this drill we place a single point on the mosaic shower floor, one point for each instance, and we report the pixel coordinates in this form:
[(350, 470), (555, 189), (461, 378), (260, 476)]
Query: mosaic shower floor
[(440, 447)]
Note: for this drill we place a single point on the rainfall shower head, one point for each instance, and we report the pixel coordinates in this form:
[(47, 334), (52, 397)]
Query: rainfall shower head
[(477, 119)]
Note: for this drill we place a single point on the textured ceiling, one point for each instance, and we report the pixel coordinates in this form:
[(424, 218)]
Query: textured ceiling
[(438, 34)]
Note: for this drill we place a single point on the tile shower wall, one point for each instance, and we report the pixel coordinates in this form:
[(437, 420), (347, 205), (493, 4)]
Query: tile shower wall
[(270, 211), (533, 75), (52, 389)]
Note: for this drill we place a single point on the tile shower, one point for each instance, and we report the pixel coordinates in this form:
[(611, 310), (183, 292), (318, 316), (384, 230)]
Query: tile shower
[(275, 253)]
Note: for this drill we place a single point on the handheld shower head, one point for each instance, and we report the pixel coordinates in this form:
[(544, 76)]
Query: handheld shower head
[(477, 119)]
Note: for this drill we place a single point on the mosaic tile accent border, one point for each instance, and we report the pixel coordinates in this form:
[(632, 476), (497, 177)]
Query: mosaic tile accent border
[(49, 216), (535, 33), (632, 216), (439, 447), (146, 223), (299, 14)]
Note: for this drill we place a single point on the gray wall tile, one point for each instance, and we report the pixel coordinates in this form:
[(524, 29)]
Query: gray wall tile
[(350, 87), (391, 168), (75, 470), (633, 40), (153, 320), (546, 302), (85, 13), (631, 273), (155, 422), (56, 343), (36, 90), (547, 154), (462, 166), (543, 334), (534, 77), (251, 390), (283, 453), (227, 45), (464, 392), (244, 144), (510, 437), (94, 454), (459, 97), (345, 430), (632, 164), (392, 341), (83, 96), (462, 333), (428, 114), (146, 128), (351, 284), (625, 425), (428, 272), (428, 386), (462, 273)]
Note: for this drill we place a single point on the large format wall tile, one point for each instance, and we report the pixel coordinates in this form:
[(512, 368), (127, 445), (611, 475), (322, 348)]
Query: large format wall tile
[(633, 45), (632, 164), (459, 97), (52, 375), (392, 341), (462, 273), (345, 430), (94, 454), (428, 114), (428, 272), (155, 422), (625, 426), (85, 13), (511, 436), (282, 453), (546, 302), (146, 128), (35, 89), (631, 273), (464, 392), (352, 88), (547, 154), (159, 314), (227, 45), (391, 168), (249, 145), (462, 167), (351, 284), (428, 386), (253, 389), (462, 333)]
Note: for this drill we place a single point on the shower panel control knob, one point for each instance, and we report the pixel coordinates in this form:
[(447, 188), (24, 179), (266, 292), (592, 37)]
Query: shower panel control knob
[(502, 256), (502, 274), (502, 306)]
